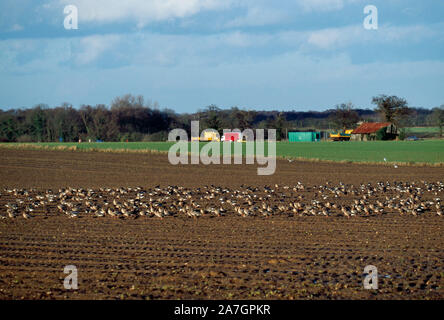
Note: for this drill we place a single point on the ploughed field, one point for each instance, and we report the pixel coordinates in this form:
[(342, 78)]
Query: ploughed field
[(137, 227)]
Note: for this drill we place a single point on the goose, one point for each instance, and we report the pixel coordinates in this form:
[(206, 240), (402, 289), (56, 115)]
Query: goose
[(345, 212), (11, 213), (158, 213)]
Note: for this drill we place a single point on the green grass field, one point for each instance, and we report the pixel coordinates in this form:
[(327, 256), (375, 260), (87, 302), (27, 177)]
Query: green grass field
[(426, 151), (422, 130)]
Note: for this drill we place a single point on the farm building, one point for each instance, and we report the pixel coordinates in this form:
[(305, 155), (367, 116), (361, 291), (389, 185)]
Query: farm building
[(304, 136), (232, 136), (367, 131)]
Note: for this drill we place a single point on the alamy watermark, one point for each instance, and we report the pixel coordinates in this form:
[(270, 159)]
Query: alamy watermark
[(210, 152), (70, 282), (371, 20), (71, 21), (72, 17), (371, 278)]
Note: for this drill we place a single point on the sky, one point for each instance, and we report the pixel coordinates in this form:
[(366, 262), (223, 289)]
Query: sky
[(254, 54)]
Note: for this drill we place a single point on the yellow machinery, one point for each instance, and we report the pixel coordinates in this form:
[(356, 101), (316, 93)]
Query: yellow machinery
[(208, 136), (341, 136)]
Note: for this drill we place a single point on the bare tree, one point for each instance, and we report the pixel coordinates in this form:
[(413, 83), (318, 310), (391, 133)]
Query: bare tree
[(392, 108), (344, 116), (211, 117)]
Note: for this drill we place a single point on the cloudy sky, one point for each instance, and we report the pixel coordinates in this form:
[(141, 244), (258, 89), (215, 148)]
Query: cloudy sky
[(255, 54)]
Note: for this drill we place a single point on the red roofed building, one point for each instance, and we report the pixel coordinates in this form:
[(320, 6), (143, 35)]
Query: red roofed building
[(367, 130)]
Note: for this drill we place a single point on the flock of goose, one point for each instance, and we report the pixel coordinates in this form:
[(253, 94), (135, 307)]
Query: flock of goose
[(320, 200)]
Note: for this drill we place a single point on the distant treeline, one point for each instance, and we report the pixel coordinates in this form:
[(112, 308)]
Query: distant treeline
[(131, 118)]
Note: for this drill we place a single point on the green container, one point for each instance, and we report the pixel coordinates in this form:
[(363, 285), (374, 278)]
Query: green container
[(304, 136)]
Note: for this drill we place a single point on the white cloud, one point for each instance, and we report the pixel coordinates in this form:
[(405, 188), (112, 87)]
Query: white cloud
[(331, 38), (412, 32), (324, 5), (91, 47), (258, 16), (30, 56), (185, 66), (336, 37), (260, 12), (169, 50), (241, 39), (141, 11), (324, 38)]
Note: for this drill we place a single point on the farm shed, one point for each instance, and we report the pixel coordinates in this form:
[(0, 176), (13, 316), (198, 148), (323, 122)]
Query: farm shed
[(304, 136), (367, 130), (232, 136)]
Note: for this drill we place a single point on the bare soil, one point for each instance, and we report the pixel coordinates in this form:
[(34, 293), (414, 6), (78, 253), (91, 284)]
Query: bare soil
[(229, 257)]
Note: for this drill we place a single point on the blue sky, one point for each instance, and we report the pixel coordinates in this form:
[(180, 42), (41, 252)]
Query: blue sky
[(254, 54)]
